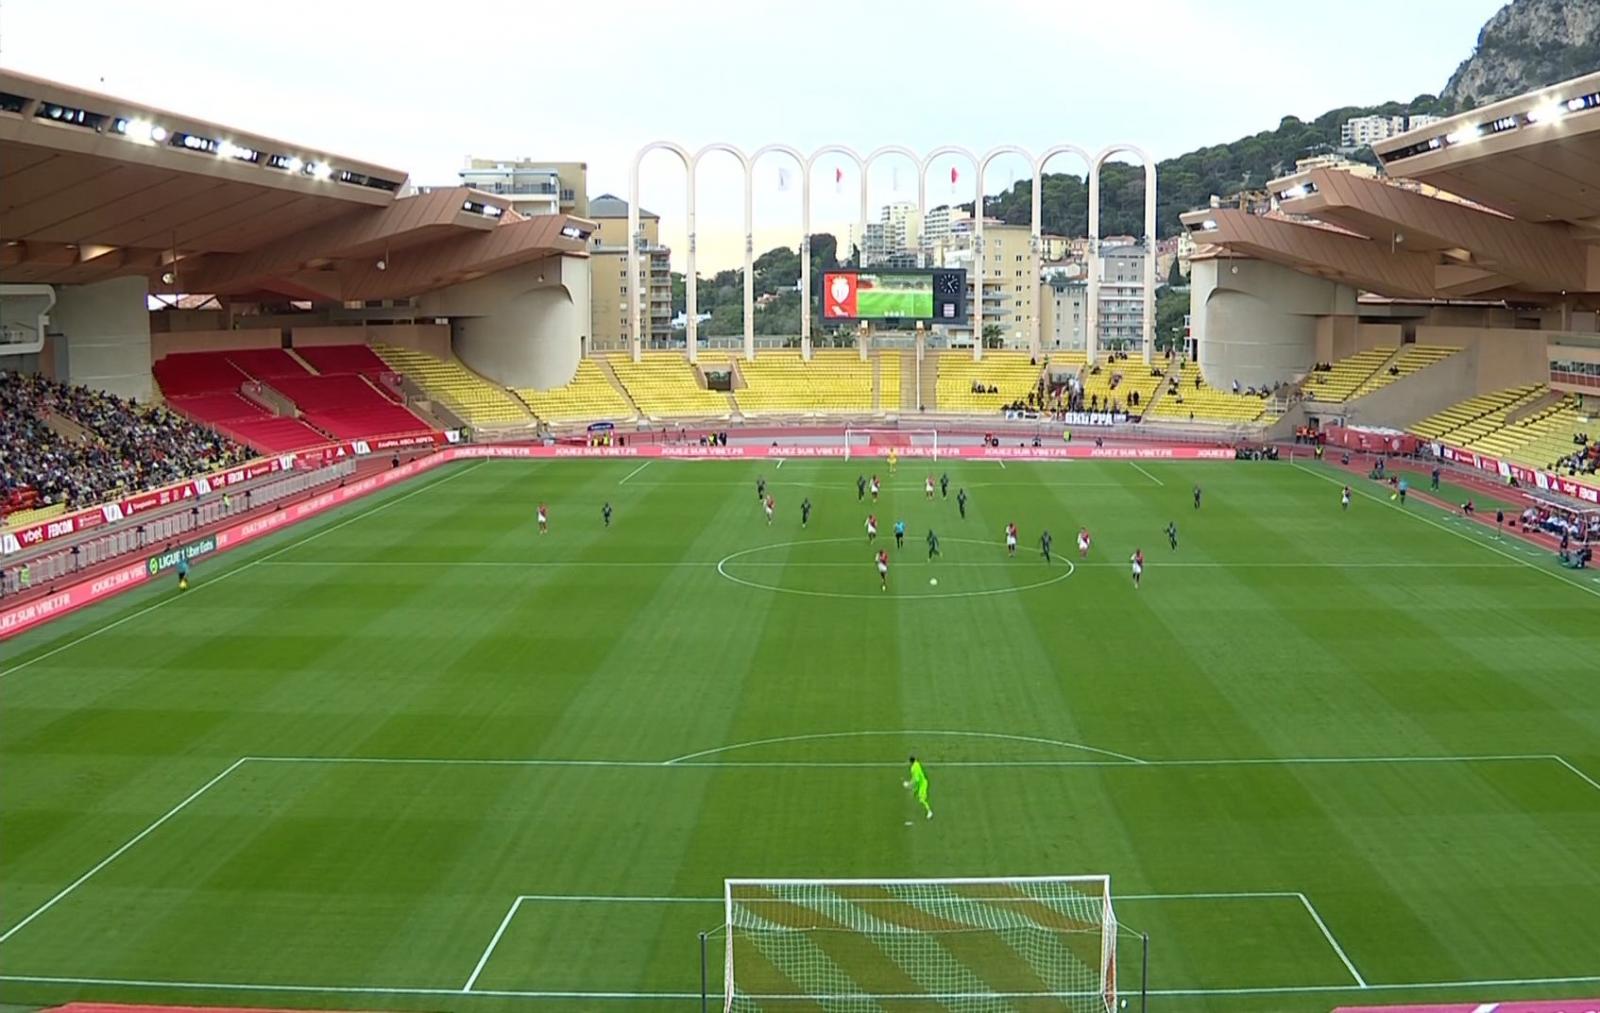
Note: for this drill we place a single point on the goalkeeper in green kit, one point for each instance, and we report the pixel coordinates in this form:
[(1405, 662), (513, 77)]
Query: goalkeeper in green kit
[(919, 784)]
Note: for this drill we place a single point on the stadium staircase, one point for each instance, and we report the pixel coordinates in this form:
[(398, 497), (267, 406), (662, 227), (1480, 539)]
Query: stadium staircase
[(589, 397), (1339, 384), (462, 392), (1136, 376)]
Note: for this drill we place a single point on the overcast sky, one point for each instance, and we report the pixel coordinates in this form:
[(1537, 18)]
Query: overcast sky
[(420, 86)]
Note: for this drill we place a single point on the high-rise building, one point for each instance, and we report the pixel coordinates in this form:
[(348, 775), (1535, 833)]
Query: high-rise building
[(535, 188), (1122, 296), (608, 275), (1064, 307), (895, 238), (1010, 287), (936, 225), (1361, 131), (1420, 120)]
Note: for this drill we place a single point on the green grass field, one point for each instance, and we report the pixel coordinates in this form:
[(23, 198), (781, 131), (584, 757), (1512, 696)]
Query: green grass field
[(1316, 749), (895, 301)]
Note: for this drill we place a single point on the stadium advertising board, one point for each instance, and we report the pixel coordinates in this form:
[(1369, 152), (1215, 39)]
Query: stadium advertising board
[(935, 295), (194, 550)]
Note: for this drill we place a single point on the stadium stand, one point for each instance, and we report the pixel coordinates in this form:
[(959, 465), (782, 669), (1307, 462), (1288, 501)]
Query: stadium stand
[(1470, 419), (965, 385), (248, 422), (1339, 381), (1537, 439), (889, 372), (664, 385), (587, 396), (1113, 382), (185, 373), (468, 395), (779, 381), (266, 363), (1188, 397), (125, 447), (333, 359), (1412, 359), (346, 407)]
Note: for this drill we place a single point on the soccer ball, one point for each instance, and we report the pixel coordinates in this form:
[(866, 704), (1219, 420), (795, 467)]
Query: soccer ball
[(905, 784), (933, 581)]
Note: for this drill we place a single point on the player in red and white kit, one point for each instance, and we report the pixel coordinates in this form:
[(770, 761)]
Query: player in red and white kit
[(1011, 539), (1138, 565), (927, 487), (544, 519), (883, 569), (769, 504), (872, 527), (1083, 543), (874, 488)]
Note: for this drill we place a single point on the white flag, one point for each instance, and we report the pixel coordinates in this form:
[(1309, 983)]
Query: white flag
[(783, 179), (894, 178)]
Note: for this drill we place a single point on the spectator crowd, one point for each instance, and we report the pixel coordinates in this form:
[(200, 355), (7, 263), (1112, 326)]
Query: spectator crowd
[(1583, 460), (125, 447)]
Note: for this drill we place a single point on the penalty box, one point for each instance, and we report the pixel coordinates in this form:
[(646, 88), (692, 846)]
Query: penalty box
[(303, 857)]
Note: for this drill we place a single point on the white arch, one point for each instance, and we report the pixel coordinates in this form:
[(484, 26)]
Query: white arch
[(976, 309), (635, 239), (977, 231), (805, 247), (1149, 164), (691, 287), (1039, 165), (805, 263)]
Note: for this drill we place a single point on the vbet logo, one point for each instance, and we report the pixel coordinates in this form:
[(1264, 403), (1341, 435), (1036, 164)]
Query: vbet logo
[(194, 550)]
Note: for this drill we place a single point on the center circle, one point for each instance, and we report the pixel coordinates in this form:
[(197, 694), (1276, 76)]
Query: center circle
[(931, 569)]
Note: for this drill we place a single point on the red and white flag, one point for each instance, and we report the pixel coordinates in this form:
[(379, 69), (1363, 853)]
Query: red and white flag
[(954, 175), (838, 180)]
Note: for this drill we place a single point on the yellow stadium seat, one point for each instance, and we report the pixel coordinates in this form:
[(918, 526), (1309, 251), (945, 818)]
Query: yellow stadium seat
[(779, 381), (1013, 374), (588, 396), (664, 385), (1205, 403), (465, 393), (1341, 383)]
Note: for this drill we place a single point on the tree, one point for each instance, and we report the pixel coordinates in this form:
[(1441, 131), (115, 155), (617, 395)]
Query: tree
[(1175, 278), (1171, 307), (993, 336)]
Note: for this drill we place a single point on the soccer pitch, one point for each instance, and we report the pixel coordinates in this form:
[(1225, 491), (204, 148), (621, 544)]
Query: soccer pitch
[(416, 756), (894, 299)]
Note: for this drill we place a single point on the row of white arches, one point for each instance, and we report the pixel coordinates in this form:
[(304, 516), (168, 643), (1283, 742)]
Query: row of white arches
[(805, 163)]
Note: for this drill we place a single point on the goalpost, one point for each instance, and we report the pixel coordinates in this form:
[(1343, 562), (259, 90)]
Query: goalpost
[(907, 442), (1030, 943)]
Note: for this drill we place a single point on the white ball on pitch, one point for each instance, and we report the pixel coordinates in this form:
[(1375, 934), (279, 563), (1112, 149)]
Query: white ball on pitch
[(934, 581)]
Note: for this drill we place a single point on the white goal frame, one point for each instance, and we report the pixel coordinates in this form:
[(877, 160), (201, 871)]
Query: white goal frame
[(929, 449), (1101, 884)]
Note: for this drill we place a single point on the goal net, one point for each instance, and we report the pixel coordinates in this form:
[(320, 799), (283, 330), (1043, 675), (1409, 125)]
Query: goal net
[(1029, 944), (878, 442)]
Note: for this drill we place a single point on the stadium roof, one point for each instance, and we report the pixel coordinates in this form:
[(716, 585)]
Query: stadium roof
[(1502, 203), (95, 187)]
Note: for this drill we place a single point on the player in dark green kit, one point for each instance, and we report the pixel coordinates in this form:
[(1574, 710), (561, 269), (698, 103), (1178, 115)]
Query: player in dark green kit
[(961, 501), (933, 544), (805, 511), (1172, 534), (1044, 545)]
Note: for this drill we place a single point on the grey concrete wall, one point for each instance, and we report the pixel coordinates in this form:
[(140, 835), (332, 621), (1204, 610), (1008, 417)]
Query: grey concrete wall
[(524, 327), (105, 336), (1257, 322)]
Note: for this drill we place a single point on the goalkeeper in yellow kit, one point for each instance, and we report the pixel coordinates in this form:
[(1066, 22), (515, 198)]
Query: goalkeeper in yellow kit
[(918, 783)]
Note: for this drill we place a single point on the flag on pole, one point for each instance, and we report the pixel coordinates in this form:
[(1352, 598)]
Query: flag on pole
[(838, 180), (783, 179), (894, 178), (954, 175)]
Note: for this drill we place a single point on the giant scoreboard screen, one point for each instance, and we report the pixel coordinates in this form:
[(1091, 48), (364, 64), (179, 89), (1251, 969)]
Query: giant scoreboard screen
[(936, 295)]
